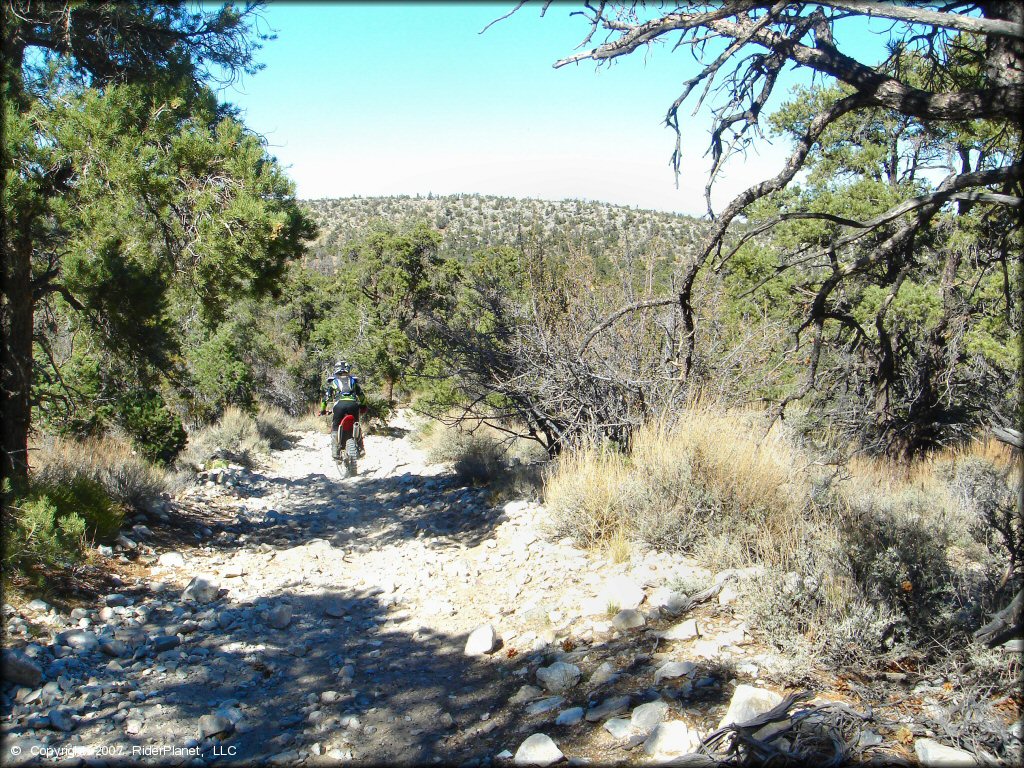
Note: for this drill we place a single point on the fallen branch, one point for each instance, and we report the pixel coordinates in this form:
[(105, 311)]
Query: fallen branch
[(1005, 624), (826, 734)]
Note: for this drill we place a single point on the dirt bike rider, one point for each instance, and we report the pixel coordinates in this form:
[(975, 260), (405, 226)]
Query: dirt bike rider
[(344, 391)]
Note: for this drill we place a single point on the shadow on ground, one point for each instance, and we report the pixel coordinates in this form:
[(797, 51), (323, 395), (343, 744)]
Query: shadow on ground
[(386, 695)]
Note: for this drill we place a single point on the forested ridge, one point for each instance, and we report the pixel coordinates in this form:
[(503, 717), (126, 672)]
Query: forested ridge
[(811, 398), (470, 222)]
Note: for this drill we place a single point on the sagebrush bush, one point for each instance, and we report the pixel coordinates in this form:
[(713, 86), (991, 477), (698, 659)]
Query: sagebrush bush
[(235, 437), (274, 425), (480, 461), (875, 559), (244, 437), (482, 455), (704, 484), (990, 495), (110, 461)]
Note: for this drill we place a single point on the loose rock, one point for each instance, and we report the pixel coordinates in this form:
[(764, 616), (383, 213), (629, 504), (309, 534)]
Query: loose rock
[(932, 753), (19, 668), (280, 616), (747, 703), (482, 640), (613, 706), (628, 618), (202, 589), (559, 677), (538, 749), (671, 739)]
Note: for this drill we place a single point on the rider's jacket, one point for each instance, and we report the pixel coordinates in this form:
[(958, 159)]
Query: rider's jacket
[(343, 387)]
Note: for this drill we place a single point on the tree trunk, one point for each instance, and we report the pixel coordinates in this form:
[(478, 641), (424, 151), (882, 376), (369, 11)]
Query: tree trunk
[(15, 356), (1005, 55)]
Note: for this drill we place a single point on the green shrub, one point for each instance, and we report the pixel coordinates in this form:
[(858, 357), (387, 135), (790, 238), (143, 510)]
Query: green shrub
[(41, 534), (154, 430), (86, 499), (380, 409), (53, 522)]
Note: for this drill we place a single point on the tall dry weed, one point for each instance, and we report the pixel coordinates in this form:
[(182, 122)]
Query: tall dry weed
[(866, 558), (108, 460), (711, 483)]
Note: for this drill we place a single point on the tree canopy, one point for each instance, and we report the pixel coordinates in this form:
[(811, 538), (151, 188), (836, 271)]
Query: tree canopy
[(908, 164), (136, 208)]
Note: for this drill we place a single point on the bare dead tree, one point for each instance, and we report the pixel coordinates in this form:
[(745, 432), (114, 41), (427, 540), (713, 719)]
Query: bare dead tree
[(742, 46)]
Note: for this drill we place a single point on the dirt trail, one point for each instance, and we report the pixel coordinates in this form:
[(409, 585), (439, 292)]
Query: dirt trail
[(319, 620)]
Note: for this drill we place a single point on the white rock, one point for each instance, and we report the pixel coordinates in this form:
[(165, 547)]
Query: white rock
[(647, 717), (525, 693), (930, 752), (747, 703), (482, 640), (619, 727), (603, 674), (728, 595), (667, 599), (538, 749), (560, 676), (79, 639), (684, 630), (628, 618), (202, 589), (280, 616), (671, 739), (673, 669), (545, 705), (621, 592)]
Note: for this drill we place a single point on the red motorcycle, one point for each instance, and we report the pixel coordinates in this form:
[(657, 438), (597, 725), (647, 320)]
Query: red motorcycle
[(350, 438)]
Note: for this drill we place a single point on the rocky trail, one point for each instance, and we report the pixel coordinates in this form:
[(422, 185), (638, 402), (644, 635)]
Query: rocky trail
[(287, 615)]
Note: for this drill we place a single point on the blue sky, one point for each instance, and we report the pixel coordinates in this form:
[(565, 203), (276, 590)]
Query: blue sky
[(387, 98)]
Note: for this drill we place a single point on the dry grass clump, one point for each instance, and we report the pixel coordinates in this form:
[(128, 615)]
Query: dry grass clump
[(482, 455), (866, 559), (705, 485), (108, 460), (235, 437), (243, 437)]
